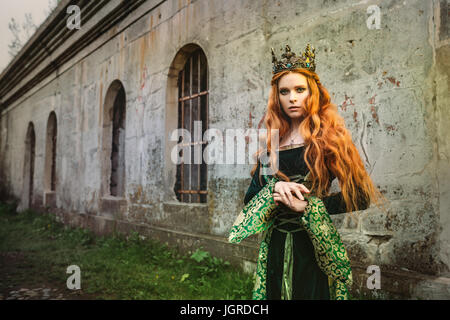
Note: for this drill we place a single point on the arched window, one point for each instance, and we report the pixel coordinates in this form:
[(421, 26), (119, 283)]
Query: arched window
[(191, 179), (113, 150), (50, 153), (30, 144)]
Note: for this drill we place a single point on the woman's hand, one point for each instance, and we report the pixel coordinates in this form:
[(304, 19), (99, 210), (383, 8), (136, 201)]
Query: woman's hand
[(283, 193), (295, 205), (285, 190)]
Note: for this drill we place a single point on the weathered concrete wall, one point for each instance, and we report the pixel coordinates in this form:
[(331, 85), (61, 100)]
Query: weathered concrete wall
[(440, 98), (390, 84)]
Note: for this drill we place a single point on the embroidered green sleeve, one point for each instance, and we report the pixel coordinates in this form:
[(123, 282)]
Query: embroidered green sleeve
[(330, 252), (338, 290), (256, 216)]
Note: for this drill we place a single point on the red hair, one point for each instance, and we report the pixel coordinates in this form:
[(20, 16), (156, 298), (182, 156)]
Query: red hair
[(329, 145)]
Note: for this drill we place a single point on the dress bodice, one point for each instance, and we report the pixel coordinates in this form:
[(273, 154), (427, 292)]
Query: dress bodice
[(292, 163)]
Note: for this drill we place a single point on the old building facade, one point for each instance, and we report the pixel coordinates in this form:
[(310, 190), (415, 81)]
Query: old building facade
[(87, 117)]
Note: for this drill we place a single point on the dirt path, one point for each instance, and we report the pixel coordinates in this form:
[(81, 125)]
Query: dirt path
[(19, 281)]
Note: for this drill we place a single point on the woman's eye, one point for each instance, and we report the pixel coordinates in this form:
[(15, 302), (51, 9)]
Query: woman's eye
[(285, 91)]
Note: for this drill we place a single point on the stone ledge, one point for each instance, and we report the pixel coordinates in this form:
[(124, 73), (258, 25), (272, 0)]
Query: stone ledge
[(188, 217), (401, 284), (113, 207)]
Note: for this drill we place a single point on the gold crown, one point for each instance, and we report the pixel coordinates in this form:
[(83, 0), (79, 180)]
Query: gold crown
[(289, 60)]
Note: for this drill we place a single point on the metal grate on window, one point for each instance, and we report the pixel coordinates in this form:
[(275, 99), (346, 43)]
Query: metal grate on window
[(191, 182)]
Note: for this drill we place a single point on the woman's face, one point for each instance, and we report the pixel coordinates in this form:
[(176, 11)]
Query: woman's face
[(293, 91)]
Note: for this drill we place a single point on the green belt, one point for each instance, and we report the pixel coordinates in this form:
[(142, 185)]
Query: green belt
[(280, 222)]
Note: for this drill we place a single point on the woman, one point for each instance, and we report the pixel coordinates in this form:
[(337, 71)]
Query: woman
[(301, 255)]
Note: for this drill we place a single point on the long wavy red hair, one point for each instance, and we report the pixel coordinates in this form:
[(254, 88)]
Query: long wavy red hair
[(328, 144)]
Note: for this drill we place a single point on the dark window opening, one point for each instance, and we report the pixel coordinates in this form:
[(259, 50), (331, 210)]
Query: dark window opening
[(117, 182), (29, 161)]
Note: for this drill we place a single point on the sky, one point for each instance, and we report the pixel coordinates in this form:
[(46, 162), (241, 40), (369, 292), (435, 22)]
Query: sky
[(17, 9)]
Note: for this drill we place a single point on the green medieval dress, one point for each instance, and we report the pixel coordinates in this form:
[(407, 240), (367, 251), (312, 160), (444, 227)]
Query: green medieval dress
[(301, 255)]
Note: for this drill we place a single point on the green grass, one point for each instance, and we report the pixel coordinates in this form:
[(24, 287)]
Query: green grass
[(116, 266)]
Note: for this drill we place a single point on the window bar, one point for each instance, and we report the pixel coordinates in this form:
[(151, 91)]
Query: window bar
[(191, 60), (206, 117), (195, 95), (199, 115), (182, 197), (193, 191)]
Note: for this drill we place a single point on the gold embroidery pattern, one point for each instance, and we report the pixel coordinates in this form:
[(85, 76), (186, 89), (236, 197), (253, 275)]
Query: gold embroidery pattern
[(259, 290), (256, 215), (338, 290), (330, 252)]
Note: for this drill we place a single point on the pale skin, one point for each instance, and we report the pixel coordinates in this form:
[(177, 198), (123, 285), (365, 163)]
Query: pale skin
[(293, 92)]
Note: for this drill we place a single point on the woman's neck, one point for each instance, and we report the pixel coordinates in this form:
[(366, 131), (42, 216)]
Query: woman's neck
[(293, 136), (295, 124)]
